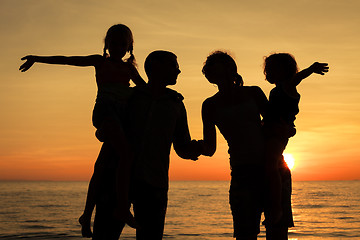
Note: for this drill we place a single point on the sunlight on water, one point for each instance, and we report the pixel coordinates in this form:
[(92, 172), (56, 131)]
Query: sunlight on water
[(196, 210)]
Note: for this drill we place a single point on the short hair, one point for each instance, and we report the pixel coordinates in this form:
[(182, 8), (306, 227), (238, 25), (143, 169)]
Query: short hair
[(158, 56)]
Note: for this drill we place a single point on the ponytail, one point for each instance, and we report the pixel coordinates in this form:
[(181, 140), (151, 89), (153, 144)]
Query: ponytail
[(131, 59), (105, 55), (238, 80)]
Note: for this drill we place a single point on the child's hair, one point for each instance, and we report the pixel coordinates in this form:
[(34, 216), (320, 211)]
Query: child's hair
[(120, 30), (158, 56), (220, 57), (284, 62)]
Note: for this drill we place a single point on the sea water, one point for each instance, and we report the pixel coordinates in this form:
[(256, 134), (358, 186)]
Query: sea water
[(196, 210)]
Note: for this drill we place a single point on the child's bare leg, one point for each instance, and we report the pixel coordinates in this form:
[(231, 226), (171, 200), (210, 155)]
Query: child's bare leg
[(85, 218), (273, 154), (123, 182), (112, 132)]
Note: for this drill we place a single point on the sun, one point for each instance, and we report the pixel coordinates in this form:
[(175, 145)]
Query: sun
[(289, 159)]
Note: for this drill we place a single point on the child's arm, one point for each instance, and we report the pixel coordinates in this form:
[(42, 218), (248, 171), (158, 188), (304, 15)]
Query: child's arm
[(319, 68), (80, 61), (135, 76)]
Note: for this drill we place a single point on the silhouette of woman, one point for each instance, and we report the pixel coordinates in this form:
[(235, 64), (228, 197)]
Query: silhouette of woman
[(113, 74), (236, 111)]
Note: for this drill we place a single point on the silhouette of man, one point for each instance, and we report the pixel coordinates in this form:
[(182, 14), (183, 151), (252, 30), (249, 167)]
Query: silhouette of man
[(156, 119)]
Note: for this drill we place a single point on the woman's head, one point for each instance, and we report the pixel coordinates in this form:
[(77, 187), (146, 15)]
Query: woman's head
[(279, 67), (118, 41), (220, 66)]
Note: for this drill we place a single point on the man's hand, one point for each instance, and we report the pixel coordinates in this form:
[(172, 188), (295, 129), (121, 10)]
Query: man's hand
[(196, 149)]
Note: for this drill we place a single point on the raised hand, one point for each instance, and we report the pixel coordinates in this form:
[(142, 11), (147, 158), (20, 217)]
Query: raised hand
[(320, 68), (30, 60)]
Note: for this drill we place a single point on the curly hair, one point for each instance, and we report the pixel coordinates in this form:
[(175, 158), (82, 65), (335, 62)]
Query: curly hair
[(221, 57), (280, 62)]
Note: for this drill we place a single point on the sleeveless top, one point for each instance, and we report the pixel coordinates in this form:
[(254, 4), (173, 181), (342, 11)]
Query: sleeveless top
[(113, 81), (240, 124)]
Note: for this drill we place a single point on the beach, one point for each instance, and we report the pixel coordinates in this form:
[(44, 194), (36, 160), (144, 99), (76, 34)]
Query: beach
[(196, 210)]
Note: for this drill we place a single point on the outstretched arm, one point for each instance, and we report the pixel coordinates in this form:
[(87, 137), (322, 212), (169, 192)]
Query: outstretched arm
[(319, 68), (80, 61), (209, 130)]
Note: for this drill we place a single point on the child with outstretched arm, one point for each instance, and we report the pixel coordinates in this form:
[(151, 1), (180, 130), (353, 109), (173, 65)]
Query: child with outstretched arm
[(281, 69), (113, 74)]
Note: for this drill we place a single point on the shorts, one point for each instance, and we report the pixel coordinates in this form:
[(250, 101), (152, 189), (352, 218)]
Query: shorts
[(286, 180), (108, 109), (287, 220), (275, 147), (247, 195)]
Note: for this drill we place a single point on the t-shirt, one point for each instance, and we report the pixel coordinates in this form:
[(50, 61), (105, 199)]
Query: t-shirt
[(153, 125), (282, 107)]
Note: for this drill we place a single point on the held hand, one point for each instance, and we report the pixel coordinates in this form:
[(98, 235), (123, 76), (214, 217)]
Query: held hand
[(197, 149), (320, 68), (30, 60)]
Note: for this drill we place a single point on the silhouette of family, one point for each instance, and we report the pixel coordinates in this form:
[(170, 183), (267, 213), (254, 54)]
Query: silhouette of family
[(138, 125)]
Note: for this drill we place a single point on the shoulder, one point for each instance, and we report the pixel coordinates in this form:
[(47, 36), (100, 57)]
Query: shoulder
[(174, 95), (97, 59), (211, 101), (210, 104), (256, 90)]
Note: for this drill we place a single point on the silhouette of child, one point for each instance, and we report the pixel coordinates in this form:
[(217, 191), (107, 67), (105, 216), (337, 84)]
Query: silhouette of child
[(281, 69), (113, 74)]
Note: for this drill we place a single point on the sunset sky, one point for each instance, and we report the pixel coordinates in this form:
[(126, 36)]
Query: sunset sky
[(45, 125)]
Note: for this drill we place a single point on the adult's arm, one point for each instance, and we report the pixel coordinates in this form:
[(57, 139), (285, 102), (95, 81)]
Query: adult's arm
[(209, 130), (261, 100), (183, 145)]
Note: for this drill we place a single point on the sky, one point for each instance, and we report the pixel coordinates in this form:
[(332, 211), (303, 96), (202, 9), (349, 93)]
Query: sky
[(45, 125)]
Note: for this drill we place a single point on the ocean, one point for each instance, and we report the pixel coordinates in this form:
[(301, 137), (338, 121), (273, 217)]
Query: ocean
[(196, 210)]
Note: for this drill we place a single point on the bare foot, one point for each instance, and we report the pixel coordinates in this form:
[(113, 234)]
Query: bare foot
[(85, 226), (126, 217)]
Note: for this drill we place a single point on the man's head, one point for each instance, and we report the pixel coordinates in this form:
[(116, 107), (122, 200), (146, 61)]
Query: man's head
[(162, 67)]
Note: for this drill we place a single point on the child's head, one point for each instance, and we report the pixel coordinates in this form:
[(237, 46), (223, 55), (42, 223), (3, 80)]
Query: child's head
[(279, 67), (162, 66), (118, 41), (220, 66)]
